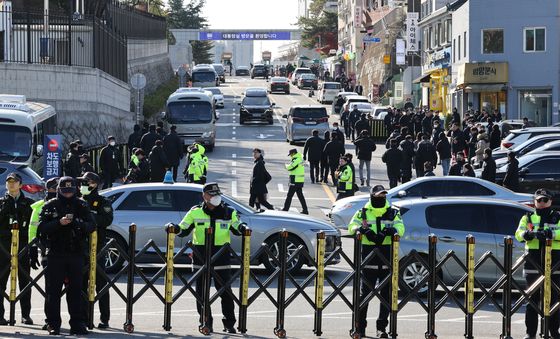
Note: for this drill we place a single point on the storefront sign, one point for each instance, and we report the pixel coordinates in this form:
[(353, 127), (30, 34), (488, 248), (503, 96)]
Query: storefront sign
[(411, 32), (357, 16), (483, 73), (53, 156)]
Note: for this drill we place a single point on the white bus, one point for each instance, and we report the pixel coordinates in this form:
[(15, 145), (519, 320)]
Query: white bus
[(23, 126)]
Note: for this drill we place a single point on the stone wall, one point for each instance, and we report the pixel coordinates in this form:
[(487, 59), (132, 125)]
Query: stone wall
[(151, 58), (90, 103)]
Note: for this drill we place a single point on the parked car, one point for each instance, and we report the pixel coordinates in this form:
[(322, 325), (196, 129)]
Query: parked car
[(336, 108), (308, 81), (507, 126), (153, 205), (33, 186), (379, 112), (219, 68), (279, 84), (343, 210), (451, 219), (218, 96), (242, 70), (517, 136), (354, 98), (303, 119), (363, 107), (527, 146), (553, 146), (256, 106), (298, 72), (258, 71), (328, 91)]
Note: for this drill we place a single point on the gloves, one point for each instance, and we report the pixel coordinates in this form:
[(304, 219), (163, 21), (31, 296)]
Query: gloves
[(34, 257), (528, 235), (172, 228), (548, 234), (390, 231), (540, 235), (380, 237)]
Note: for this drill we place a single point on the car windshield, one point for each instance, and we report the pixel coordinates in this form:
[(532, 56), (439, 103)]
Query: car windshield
[(331, 86), (256, 101), (219, 68), (189, 112), (204, 77), (361, 106), (15, 143), (279, 80), (214, 90), (314, 113), (308, 76)]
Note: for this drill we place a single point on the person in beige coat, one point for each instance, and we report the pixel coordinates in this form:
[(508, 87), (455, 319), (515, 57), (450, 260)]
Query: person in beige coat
[(481, 144)]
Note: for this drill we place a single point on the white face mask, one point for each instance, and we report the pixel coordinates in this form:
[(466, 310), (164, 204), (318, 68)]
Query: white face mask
[(85, 190), (216, 200), (112, 143)]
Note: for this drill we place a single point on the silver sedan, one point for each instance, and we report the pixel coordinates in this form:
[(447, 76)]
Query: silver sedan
[(151, 206)]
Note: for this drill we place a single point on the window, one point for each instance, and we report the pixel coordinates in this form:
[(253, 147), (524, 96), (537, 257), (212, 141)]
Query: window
[(492, 41), (506, 219), (431, 42), (545, 166), (444, 216), (535, 39), (431, 188), (114, 197), (454, 50), (439, 34), (459, 47), (448, 30), (148, 201), (465, 188), (187, 199), (465, 44)]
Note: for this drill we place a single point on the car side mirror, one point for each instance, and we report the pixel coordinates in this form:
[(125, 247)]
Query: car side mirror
[(238, 104), (284, 116), (273, 104), (524, 171), (39, 150), (162, 115), (401, 194)]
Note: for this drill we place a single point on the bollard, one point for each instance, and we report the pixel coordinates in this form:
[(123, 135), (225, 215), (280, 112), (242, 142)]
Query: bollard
[(14, 249), (319, 282), (92, 276), (279, 330), (469, 290), (506, 293), (432, 285), (206, 326), (394, 285), (547, 288), (244, 286), (354, 332), (128, 326), (169, 278)]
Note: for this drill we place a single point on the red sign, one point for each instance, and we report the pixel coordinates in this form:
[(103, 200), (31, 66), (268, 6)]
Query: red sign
[(53, 145)]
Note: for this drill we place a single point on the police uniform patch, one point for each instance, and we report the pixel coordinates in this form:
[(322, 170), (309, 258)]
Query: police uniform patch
[(223, 225), (107, 209), (95, 203)]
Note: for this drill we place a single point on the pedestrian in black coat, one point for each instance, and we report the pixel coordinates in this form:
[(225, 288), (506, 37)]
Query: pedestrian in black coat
[(361, 125), (72, 166), (344, 116), (473, 140), (407, 147), (511, 179), (365, 146), (353, 118), (458, 143), (456, 118), (313, 152), (388, 121), (138, 172), (260, 178), (444, 151), (324, 159), (457, 168), (158, 162), (134, 138), (427, 124), (173, 148), (429, 169), (334, 149), (393, 159), (149, 139), (468, 170), (436, 131), (109, 163), (85, 165), (160, 130), (488, 166), (337, 131), (495, 137), (426, 151)]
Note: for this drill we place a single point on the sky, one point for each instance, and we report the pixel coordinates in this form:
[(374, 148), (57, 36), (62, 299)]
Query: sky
[(253, 14)]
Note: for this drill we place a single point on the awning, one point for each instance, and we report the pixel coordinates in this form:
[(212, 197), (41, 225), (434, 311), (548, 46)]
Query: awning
[(422, 78), (484, 87)]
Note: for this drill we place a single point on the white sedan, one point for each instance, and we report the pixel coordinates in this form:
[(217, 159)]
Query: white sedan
[(218, 96)]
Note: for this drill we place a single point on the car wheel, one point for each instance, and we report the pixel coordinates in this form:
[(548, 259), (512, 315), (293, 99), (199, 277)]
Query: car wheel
[(273, 244), (287, 92), (241, 122), (271, 122), (210, 148), (413, 273), (114, 259), (292, 142)]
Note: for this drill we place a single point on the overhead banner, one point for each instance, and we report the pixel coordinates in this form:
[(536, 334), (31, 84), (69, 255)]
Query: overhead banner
[(52, 150), (244, 35), (412, 32), (401, 52)]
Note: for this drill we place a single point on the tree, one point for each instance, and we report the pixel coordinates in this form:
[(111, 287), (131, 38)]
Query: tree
[(319, 30), (201, 52)]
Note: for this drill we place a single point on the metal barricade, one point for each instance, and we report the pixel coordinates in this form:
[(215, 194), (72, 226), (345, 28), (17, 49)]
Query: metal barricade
[(377, 130)]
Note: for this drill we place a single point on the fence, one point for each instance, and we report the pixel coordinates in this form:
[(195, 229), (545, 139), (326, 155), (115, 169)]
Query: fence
[(57, 39), (538, 294), (133, 23), (122, 150)]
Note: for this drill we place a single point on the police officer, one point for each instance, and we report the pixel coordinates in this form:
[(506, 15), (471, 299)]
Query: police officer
[(534, 229), (37, 207), (66, 222), (195, 170), (15, 207), (296, 170), (103, 216), (377, 222), (344, 175), (213, 213)]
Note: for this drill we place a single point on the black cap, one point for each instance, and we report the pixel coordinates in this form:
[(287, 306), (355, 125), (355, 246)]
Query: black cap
[(257, 150), (84, 155), (52, 183), (90, 176), (543, 193), (110, 137), (67, 185), (377, 189), (14, 176), (211, 188), (292, 151)]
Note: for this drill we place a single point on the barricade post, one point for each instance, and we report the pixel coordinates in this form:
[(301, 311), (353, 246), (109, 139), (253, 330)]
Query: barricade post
[(128, 326), (92, 276), (319, 283), (206, 326), (354, 332), (547, 288), (394, 285), (279, 330), (169, 277), (244, 286), (469, 290), (14, 249), (506, 293), (432, 285)]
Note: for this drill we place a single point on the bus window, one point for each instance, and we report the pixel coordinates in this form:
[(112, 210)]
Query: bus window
[(190, 112), (15, 143)]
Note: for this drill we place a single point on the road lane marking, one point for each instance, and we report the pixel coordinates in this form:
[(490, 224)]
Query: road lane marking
[(234, 188), (233, 132), (233, 163), (281, 188), (233, 138), (233, 155), (233, 172), (329, 192)]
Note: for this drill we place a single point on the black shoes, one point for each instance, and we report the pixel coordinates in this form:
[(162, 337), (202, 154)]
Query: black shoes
[(382, 334), (53, 330), (3, 322), (528, 336), (27, 320), (78, 331), (230, 329), (305, 212), (103, 325), (45, 327)]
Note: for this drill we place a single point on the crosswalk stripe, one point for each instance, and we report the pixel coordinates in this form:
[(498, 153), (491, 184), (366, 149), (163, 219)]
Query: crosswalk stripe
[(234, 188), (281, 188)]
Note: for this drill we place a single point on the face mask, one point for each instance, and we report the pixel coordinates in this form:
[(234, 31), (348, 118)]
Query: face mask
[(85, 190), (51, 195), (112, 143), (377, 202), (541, 212), (216, 200)]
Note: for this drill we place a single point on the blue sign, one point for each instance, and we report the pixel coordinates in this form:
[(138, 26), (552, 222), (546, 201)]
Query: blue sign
[(53, 156), (244, 36), (367, 38)]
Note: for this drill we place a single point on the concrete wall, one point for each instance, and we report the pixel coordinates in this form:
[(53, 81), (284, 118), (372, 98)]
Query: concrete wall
[(151, 58), (90, 103)]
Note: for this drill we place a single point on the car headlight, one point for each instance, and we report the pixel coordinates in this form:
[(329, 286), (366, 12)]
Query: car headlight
[(207, 134)]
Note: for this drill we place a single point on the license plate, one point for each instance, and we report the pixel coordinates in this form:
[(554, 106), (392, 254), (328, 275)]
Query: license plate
[(311, 123), (256, 115)]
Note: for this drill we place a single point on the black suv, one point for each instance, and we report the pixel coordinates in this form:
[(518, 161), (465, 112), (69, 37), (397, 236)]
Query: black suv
[(256, 106), (258, 71)]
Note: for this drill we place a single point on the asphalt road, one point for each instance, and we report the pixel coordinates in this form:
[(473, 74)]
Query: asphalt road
[(231, 166)]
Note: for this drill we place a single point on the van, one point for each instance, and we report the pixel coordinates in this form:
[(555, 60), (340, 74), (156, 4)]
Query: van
[(204, 77), (219, 68), (303, 119), (328, 91), (298, 72)]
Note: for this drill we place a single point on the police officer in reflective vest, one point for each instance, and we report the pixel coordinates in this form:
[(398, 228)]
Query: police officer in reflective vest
[(344, 175), (297, 177), (195, 170), (103, 216), (213, 213), (15, 207), (66, 222), (377, 222), (534, 229)]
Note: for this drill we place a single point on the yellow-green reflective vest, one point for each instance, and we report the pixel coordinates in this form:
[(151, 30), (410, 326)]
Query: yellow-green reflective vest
[(295, 167), (387, 218), (533, 222), (198, 220)]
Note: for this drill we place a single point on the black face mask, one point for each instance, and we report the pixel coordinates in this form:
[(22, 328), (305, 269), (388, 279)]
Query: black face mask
[(377, 202), (542, 212), (50, 195)]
